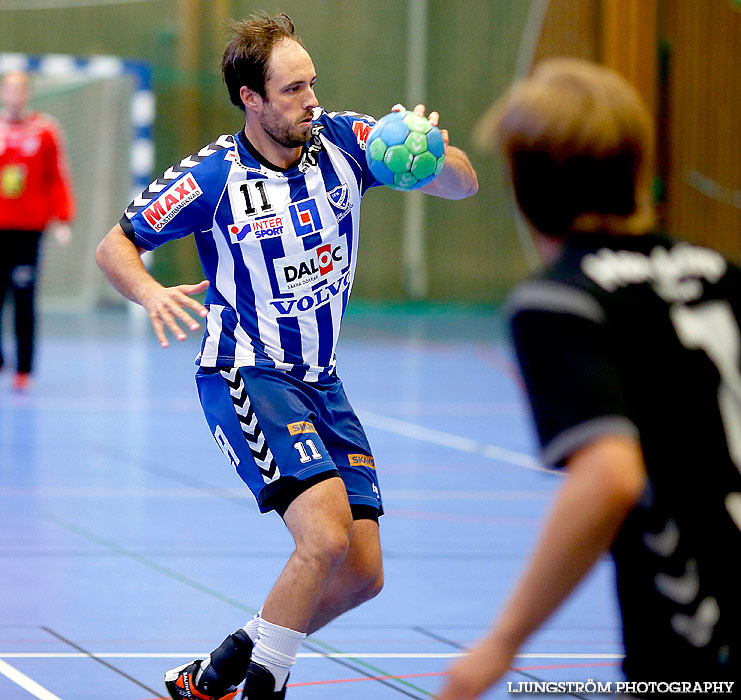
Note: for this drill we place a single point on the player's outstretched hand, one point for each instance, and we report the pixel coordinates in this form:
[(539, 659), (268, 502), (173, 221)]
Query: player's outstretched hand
[(474, 673), (166, 306), (433, 118)]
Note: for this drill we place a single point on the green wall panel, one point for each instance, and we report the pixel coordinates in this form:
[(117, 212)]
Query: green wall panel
[(359, 50)]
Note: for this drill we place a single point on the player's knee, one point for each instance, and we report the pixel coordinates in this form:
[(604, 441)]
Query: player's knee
[(373, 584), (367, 576), (335, 546), (328, 543)]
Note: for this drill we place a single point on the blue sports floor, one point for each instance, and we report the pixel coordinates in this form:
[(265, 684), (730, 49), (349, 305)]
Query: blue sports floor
[(128, 545)]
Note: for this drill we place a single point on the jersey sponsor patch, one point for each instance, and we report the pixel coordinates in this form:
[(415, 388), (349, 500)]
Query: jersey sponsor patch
[(168, 205), (325, 262), (675, 274), (361, 131), (305, 217), (256, 230), (312, 301), (304, 426), (362, 461)]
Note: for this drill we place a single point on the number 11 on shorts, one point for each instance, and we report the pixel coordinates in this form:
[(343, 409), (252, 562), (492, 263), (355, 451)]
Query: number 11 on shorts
[(312, 453)]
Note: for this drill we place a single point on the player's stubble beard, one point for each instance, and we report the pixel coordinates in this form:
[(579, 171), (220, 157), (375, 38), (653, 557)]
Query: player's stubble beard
[(284, 132)]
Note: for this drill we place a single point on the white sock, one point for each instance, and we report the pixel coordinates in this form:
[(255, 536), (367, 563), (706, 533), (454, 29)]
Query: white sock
[(251, 627), (276, 650)]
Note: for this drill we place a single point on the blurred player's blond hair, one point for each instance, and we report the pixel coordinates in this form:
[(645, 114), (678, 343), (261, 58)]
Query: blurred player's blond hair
[(578, 141)]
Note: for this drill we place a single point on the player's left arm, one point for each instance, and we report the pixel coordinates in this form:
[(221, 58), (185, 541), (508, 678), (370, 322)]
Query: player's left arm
[(605, 479), (457, 179)]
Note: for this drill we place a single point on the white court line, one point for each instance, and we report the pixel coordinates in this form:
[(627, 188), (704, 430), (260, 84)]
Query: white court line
[(25, 682), (455, 442), (301, 655)]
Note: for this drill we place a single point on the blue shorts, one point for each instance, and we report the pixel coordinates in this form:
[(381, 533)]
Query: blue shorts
[(281, 433)]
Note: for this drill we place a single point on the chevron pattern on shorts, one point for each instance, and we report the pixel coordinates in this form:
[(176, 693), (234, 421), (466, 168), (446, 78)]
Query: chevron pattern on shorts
[(252, 432), (173, 173)]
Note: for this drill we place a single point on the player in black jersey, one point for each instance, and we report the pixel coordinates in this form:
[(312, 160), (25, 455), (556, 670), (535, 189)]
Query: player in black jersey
[(630, 348)]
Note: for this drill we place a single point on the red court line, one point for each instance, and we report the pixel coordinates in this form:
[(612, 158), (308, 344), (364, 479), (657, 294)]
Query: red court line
[(444, 673), (551, 667), (452, 518), (559, 666), (496, 359)]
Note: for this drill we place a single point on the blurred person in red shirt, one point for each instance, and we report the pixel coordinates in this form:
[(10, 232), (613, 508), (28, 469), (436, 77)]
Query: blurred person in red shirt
[(35, 194)]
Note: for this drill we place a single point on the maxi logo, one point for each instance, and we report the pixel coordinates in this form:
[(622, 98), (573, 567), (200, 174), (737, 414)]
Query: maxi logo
[(261, 228), (168, 205), (305, 217), (324, 262), (361, 131), (309, 302)]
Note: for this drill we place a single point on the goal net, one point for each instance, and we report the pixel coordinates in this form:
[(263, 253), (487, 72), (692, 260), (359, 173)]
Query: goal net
[(104, 108), (94, 117)]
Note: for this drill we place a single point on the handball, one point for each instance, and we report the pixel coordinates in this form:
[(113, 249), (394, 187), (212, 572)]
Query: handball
[(405, 151)]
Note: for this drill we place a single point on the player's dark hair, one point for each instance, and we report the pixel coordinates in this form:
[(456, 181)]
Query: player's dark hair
[(577, 139), (245, 60)]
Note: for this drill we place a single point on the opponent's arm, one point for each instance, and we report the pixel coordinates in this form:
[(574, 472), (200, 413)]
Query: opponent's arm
[(121, 263), (605, 479), (457, 179)]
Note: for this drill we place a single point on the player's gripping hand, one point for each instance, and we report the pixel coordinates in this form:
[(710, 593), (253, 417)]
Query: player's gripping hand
[(472, 675), (167, 306), (457, 179), (433, 118)]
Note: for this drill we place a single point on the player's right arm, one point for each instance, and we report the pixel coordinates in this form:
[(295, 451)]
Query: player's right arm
[(120, 261), (605, 479)]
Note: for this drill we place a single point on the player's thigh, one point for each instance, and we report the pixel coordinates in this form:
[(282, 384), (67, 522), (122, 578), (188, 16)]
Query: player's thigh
[(345, 439), (258, 419), (319, 512)]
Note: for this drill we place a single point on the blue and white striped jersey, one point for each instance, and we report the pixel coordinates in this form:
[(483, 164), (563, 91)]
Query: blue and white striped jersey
[(278, 247)]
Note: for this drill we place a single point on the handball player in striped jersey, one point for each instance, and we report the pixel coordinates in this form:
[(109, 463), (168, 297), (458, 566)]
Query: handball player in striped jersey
[(274, 210)]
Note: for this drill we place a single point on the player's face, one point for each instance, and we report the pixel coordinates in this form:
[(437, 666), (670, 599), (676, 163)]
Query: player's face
[(289, 102), (14, 93)]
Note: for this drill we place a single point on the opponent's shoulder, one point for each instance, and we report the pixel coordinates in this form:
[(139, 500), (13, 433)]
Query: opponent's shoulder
[(347, 129), (556, 293)]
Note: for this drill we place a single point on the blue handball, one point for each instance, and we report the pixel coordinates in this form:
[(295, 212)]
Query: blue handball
[(405, 151)]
